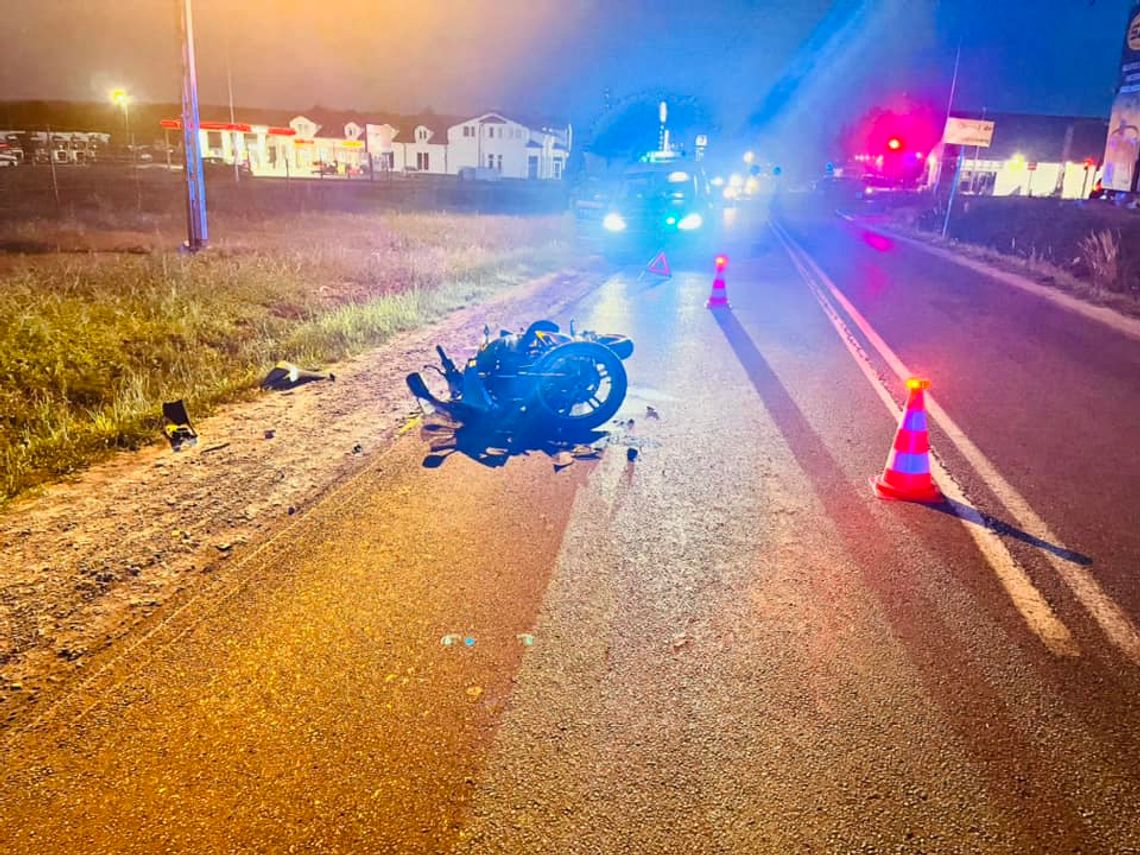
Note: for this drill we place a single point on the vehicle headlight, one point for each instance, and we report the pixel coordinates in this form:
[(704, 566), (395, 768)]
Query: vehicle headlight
[(690, 222), (613, 223)]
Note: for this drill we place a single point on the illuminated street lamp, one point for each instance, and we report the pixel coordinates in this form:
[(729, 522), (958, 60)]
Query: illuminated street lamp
[(121, 99), (749, 156)]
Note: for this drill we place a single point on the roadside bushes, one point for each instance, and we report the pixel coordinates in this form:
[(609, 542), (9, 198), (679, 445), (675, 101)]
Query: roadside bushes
[(1095, 242)]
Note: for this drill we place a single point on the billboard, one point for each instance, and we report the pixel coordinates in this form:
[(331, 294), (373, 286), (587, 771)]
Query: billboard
[(974, 132), (1123, 146)]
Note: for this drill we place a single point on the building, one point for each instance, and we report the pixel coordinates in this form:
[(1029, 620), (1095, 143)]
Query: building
[(347, 143), (1031, 155), (64, 147)]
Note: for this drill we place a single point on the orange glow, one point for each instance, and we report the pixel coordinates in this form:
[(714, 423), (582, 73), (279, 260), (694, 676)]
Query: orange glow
[(721, 262), (894, 143), (917, 383)]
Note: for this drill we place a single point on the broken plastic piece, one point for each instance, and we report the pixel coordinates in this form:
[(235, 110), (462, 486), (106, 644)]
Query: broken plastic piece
[(177, 427), (286, 375)]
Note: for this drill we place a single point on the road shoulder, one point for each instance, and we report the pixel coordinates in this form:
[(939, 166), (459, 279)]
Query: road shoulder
[(87, 560)]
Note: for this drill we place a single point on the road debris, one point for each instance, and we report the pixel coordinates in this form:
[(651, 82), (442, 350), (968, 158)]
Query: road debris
[(526, 638), (475, 692), (651, 413), (217, 447), (286, 375), (269, 434), (177, 428), (631, 454)]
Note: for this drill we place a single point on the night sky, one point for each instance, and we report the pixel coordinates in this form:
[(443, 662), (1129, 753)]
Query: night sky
[(776, 62)]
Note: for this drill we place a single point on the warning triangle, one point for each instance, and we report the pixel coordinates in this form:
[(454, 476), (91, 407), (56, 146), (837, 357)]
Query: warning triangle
[(659, 265)]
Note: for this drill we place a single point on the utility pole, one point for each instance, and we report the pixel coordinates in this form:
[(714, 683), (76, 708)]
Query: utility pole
[(230, 89), (196, 230), (55, 180), (949, 110)]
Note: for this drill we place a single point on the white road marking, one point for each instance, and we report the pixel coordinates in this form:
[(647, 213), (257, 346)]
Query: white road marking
[(1108, 615), (1029, 602)]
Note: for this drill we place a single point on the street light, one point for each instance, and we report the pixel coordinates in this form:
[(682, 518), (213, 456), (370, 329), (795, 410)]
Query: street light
[(121, 99), (749, 156)]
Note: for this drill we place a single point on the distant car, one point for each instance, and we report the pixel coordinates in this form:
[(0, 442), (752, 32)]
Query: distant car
[(217, 166), (479, 173), (8, 159)]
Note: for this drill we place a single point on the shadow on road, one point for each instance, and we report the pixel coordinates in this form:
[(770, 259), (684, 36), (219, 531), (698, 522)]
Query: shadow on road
[(973, 515), (493, 443), (1001, 750)]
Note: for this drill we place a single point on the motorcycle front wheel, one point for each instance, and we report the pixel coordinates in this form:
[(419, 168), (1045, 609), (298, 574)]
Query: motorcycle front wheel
[(580, 384)]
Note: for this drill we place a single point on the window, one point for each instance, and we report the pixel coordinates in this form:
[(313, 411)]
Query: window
[(423, 161), (213, 139), (499, 165), (468, 131), (557, 167), (490, 161), (532, 166)]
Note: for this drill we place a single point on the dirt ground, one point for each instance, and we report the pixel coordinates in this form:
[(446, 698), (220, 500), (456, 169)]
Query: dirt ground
[(85, 561)]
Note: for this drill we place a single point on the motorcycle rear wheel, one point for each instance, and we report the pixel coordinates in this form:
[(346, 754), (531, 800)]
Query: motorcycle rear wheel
[(580, 385)]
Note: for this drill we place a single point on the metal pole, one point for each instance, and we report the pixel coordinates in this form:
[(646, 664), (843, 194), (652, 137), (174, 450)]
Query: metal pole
[(55, 180), (134, 154), (953, 192), (949, 109), (196, 230), (230, 90)]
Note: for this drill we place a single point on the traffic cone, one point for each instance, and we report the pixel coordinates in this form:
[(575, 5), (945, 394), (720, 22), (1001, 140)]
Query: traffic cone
[(718, 299), (907, 473)]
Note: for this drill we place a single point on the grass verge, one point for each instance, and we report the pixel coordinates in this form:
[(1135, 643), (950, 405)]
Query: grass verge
[(91, 345)]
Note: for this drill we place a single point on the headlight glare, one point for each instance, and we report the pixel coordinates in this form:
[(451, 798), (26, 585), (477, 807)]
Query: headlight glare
[(613, 223)]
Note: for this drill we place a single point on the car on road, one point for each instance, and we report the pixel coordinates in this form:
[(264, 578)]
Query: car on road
[(8, 159), (659, 205)]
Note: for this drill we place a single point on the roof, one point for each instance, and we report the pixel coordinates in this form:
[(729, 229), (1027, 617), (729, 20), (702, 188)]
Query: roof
[(1050, 139)]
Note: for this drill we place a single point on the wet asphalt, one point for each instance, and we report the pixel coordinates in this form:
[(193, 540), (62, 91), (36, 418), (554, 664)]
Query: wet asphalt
[(725, 645)]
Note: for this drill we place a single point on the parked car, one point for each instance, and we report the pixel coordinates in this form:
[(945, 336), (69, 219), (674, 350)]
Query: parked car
[(479, 173), (8, 159), (218, 166)]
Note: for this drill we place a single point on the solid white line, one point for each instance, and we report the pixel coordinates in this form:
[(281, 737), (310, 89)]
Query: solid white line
[(1029, 602), (1111, 618)]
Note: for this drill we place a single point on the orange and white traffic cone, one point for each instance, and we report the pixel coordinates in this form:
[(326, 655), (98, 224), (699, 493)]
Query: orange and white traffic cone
[(718, 299), (907, 474)]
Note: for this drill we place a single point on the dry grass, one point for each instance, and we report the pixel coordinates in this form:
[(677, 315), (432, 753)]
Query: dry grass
[(1101, 254), (91, 344)]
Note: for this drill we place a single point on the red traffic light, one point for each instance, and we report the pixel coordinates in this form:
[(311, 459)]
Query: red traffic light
[(894, 143)]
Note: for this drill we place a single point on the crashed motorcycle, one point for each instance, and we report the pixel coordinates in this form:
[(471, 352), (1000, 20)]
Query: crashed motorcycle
[(565, 381)]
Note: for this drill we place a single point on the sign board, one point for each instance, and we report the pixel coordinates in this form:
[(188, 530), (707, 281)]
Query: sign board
[(702, 140), (1122, 149), (975, 132), (1031, 166)]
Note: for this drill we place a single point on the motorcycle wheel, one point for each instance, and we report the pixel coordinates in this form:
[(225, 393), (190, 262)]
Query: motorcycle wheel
[(580, 385)]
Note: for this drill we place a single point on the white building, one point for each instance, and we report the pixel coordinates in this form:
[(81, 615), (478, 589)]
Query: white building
[(513, 149), (348, 144)]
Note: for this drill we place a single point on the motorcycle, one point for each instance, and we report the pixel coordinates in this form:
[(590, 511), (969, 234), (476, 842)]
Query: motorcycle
[(569, 381)]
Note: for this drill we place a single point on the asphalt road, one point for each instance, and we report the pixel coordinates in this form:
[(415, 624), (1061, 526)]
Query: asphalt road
[(726, 645)]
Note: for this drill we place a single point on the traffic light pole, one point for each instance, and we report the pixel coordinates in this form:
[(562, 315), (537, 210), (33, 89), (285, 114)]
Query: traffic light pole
[(196, 231)]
